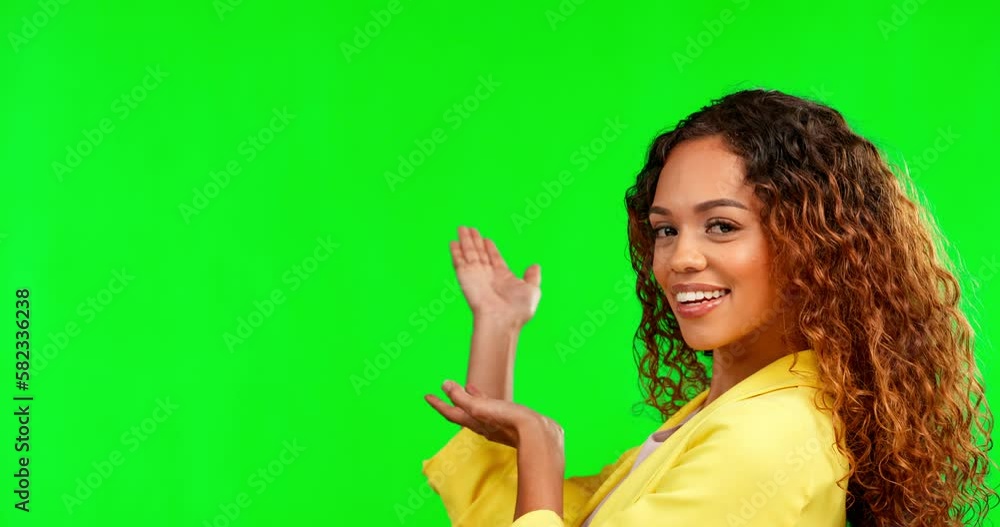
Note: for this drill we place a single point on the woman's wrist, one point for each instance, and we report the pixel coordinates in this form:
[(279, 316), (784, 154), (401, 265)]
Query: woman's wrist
[(491, 359), (541, 467), (497, 320)]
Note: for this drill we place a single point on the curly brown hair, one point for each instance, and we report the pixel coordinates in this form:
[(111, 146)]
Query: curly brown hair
[(876, 300)]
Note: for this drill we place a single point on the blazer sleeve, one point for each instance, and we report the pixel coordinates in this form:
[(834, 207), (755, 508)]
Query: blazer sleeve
[(743, 467), (477, 481)]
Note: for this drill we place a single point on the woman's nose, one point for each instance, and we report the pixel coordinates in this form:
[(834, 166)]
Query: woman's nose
[(687, 256)]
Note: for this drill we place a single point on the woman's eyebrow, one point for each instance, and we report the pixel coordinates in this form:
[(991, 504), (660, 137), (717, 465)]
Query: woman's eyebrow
[(702, 207)]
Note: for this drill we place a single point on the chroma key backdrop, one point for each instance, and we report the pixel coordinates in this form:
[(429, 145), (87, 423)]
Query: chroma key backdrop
[(227, 224)]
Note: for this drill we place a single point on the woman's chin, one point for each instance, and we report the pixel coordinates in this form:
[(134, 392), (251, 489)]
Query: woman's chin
[(701, 342)]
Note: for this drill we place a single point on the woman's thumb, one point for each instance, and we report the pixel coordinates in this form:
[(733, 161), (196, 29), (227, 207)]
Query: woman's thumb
[(533, 275)]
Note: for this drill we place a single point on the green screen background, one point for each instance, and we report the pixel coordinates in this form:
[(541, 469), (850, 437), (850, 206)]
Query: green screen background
[(194, 205)]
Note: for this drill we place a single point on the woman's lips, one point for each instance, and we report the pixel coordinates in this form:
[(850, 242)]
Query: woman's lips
[(699, 309)]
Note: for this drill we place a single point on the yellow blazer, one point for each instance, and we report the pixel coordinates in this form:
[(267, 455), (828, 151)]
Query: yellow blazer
[(762, 454)]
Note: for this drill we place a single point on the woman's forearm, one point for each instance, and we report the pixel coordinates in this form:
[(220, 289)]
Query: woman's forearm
[(491, 358), (541, 468)]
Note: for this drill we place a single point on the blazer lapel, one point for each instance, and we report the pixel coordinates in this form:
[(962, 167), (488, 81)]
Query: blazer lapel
[(625, 466), (774, 376)]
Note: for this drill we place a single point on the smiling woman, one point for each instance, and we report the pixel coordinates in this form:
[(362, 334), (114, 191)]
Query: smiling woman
[(720, 240), (842, 383)]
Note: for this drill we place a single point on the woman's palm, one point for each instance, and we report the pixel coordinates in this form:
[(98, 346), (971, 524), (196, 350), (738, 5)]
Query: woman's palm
[(488, 284)]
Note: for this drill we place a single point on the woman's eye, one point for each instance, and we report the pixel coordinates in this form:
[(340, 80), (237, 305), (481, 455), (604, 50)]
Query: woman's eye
[(663, 232), (715, 227), (721, 227)]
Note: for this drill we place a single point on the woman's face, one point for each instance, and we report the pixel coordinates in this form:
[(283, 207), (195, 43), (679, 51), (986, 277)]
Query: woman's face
[(711, 256)]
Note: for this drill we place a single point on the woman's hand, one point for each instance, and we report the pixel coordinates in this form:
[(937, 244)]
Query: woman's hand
[(500, 421), (490, 288), (541, 463)]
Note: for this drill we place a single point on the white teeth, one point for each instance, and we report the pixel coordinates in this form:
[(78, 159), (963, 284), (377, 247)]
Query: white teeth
[(693, 296)]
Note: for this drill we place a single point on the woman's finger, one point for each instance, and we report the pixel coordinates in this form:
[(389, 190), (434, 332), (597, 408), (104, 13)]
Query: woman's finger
[(481, 252), (496, 260), (456, 393), (474, 406), (456, 254), (448, 411), (468, 245), (451, 413), (469, 387)]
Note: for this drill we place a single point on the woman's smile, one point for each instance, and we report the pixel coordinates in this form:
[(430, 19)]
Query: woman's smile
[(698, 307)]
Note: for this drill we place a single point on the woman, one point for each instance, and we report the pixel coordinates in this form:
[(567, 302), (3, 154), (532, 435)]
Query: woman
[(766, 233)]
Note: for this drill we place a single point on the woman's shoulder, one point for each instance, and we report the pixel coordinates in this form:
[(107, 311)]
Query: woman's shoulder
[(792, 405), (793, 419)]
